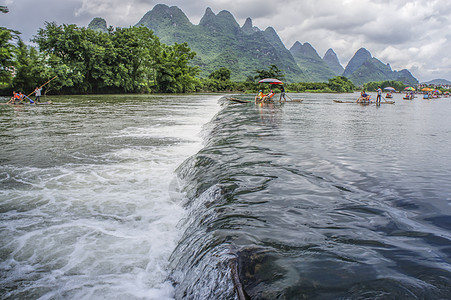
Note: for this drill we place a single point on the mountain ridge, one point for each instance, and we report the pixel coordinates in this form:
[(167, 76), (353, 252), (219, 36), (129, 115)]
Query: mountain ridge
[(437, 81), (363, 68), (310, 62), (220, 41), (331, 59)]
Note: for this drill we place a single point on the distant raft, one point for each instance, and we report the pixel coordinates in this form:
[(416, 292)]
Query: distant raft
[(365, 102)]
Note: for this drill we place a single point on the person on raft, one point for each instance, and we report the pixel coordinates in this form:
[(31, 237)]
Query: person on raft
[(37, 93), (364, 97), (259, 96), (282, 93), (269, 96), (15, 99), (379, 95)]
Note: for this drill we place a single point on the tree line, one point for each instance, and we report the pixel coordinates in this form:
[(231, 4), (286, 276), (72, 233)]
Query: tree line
[(88, 61)]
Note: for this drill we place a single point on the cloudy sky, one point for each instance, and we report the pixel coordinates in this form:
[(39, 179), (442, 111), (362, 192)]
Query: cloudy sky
[(411, 34)]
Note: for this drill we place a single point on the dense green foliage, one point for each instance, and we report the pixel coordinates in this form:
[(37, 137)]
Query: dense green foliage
[(30, 68), (219, 81), (7, 51), (125, 60), (272, 72), (93, 61), (6, 56), (341, 84)]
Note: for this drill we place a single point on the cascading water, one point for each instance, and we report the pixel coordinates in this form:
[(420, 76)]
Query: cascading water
[(318, 201), (89, 205)]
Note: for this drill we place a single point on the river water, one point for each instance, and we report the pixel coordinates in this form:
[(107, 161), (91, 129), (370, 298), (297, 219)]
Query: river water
[(89, 202), (192, 197)]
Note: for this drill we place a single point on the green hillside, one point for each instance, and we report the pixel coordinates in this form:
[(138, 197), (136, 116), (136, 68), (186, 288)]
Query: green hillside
[(311, 63), (98, 24), (331, 59), (219, 41), (363, 68)]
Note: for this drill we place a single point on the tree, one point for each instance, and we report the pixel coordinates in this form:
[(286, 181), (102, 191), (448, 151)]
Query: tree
[(272, 72), (127, 59), (221, 74), (341, 84), (136, 55), (7, 50), (219, 80), (173, 73)]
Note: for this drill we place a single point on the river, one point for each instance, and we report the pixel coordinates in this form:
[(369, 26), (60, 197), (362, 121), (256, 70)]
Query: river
[(192, 197)]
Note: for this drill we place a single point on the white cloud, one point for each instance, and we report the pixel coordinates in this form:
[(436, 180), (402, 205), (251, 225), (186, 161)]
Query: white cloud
[(410, 34)]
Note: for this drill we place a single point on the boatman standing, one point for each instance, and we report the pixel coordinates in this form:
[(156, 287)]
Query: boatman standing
[(379, 95), (282, 93), (37, 93)]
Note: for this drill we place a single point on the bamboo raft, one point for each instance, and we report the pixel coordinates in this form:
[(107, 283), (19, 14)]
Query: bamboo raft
[(232, 99), (365, 102)]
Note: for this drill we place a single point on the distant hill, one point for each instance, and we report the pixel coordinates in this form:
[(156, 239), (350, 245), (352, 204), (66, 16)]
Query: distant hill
[(98, 24), (438, 82), (363, 68), (308, 60), (331, 59), (219, 41)]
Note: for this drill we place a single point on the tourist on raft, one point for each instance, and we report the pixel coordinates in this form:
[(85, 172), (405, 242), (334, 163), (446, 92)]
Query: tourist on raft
[(364, 97)]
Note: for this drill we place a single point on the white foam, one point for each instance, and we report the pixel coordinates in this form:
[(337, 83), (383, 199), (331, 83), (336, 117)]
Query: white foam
[(101, 231)]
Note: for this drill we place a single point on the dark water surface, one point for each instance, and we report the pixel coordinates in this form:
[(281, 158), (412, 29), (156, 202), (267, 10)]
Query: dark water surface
[(320, 200), (160, 197)]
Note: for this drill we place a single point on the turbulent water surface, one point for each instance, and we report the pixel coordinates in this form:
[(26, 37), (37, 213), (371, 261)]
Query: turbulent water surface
[(118, 198), (89, 205)]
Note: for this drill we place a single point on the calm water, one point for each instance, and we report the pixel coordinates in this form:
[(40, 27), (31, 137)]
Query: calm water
[(177, 197)]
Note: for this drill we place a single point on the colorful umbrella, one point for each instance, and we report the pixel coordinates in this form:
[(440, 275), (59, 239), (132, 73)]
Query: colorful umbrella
[(427, 89), (271, 81), (389, 88), (409, 88)]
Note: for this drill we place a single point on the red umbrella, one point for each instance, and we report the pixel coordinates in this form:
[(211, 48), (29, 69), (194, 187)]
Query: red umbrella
[(271, 81)]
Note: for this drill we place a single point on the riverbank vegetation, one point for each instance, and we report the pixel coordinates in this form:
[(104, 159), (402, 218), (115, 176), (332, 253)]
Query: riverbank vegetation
[(87, 61)]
